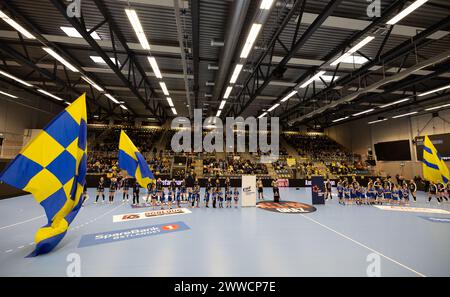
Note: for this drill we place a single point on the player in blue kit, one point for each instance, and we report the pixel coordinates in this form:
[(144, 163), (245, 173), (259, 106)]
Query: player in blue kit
[(352, 194), (380, 193), (196, 193), (387, 193), (346, 190), (228, 197), (236, 197), (363, 195), (220, 197), (395, 195), (358, 195)]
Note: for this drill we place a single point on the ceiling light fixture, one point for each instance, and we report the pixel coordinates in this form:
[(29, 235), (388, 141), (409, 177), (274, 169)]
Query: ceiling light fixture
[(406, 11), (16, 26), (60, 59), (136, 24), (353, 50), (252, 35)]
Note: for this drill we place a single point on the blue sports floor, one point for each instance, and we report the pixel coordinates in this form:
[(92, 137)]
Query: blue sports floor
[(333, 241)]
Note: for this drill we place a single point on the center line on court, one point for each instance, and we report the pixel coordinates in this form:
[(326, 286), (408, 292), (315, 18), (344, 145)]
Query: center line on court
[(364, 246)]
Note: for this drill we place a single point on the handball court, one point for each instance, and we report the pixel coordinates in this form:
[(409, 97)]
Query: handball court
[(335, 240)]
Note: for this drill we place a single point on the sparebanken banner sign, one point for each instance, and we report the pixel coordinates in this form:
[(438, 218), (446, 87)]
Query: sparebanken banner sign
[(149, 214)]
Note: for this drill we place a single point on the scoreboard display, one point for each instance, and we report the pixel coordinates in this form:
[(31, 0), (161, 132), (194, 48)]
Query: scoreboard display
[(440, 141), (393, 151)]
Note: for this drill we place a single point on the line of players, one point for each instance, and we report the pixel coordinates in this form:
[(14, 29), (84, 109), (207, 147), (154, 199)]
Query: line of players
[(173, 194), (380, 192)]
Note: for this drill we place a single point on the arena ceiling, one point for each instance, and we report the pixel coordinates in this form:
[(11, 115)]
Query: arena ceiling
[(197, 45)]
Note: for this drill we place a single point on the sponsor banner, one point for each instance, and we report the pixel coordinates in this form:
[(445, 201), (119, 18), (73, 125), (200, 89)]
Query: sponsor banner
[(317, 190), (412, 209), (289, 207), (146, 205), (248, 190), (283, 182), (149, 214), (131, 233), (437, 220)]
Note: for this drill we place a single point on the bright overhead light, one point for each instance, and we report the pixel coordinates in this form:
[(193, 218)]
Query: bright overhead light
[(67, 103), (434, 91), (252, 35), (50, 95), (169, 100), (236, 72), (273, 107), (8, 95), (396, 102), (266, 4), (329, 78), (89, 81), (16, 26), (405, 115), (72, 32), (174, 111), (377, 121), (134, 20), (99, 60), (15, 78), (354, 59), (363, 112), (315, 77), (60, 59), (227, 92), (289, 96), (353, 50), (406, 11), (222, 104), (219, 112), (123, 107), (262, 115), (438, 107), (155, 67), (164, 88), (112, 98), (341, 119)]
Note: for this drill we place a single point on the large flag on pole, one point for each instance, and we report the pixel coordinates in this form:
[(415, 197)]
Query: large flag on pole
[(434, 168), (52, 167), (131, 160)]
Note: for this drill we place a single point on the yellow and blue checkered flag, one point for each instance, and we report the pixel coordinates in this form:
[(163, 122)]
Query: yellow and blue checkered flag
[(131, 160), (434, 168), (52, 167)]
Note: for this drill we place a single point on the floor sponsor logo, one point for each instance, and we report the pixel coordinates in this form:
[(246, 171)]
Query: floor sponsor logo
[(149, 214), (290, 207), (131, 233), (437, 220), (412, 209)]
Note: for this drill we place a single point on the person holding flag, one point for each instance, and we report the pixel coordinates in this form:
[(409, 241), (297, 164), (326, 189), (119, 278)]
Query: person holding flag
[(52, 167), (131, 160), (434, 168)]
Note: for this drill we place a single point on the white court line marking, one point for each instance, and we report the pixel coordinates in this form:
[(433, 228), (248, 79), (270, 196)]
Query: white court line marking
[(4, 227), (365, 246), (72, 228)]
